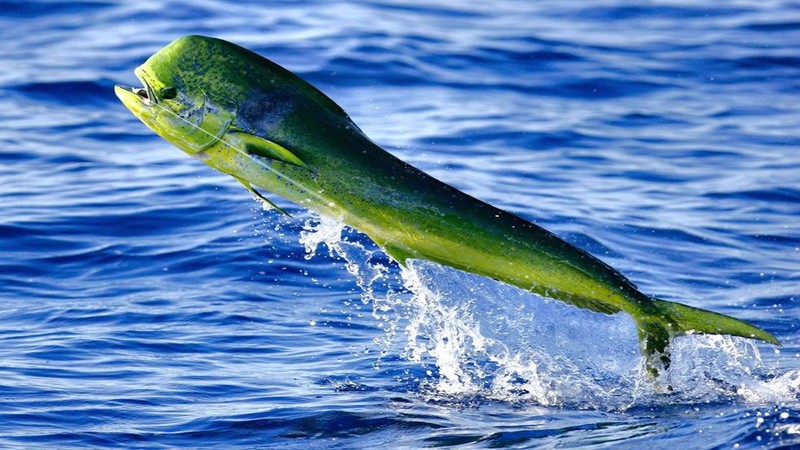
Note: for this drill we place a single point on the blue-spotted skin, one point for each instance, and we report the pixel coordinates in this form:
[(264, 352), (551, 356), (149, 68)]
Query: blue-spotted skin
[(224, 90)]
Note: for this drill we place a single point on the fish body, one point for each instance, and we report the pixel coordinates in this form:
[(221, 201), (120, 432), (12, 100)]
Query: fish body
[(254, 120)]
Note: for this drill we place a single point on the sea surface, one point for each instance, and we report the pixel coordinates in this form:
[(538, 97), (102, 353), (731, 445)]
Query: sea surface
[(147, 301)]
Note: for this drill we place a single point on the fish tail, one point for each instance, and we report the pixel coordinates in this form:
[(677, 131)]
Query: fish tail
[(670, 319)]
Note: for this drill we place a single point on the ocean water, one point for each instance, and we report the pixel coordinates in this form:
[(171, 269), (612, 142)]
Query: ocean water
[(149, 302)]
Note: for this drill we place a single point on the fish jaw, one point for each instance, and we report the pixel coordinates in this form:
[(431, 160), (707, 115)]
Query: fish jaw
[(137, 100)]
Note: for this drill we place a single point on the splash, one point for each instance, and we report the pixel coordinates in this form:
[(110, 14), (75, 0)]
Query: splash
[(357, 257), (502, 343), (485, 339)]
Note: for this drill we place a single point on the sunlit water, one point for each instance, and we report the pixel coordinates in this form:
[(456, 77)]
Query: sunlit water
[(148, 302)]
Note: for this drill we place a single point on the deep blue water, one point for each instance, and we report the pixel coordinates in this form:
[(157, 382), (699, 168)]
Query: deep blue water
[(149, 302)]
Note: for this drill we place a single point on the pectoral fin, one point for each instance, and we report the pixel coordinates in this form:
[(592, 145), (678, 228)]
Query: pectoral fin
[(261, 197), (258, 146)]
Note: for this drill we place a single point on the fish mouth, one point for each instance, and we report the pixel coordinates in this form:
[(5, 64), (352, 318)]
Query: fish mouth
[(144, 94)]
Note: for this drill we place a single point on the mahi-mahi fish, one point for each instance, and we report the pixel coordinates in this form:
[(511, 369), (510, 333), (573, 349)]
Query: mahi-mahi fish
[(252, 119)]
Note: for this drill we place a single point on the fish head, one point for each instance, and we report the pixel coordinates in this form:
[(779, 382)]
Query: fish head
[(246, 116), (184, 98), (197, 88)]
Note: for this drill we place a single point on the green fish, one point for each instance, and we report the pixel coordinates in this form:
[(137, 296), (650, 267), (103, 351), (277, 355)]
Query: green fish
[(247, 117)]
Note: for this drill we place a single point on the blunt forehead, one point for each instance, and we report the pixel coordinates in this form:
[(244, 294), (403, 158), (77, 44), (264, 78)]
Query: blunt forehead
[(205, 68), (198, 56), (229, 75)]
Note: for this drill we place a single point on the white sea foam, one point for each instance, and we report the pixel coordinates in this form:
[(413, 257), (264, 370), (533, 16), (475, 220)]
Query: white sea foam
[(495, 341)]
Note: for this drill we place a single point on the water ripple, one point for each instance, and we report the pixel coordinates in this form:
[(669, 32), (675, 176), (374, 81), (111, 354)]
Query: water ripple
[(147, 302)]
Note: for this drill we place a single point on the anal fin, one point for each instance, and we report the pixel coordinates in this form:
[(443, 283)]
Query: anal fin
[(397, 253)]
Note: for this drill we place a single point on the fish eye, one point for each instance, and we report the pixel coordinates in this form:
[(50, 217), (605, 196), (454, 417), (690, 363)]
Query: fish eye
[(169, 92)]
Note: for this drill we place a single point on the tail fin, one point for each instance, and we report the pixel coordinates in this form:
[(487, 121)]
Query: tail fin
[(675, 319)]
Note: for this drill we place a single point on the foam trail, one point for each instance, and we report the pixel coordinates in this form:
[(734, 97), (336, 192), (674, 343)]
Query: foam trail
[(498, 342)]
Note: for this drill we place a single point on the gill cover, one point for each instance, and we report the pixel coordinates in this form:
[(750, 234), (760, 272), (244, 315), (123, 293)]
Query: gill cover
[(198, 128)]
